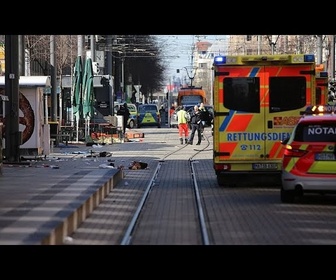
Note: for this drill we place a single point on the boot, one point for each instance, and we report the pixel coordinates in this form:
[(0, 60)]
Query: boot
[(186, 141), (181, 140), (198, 143)]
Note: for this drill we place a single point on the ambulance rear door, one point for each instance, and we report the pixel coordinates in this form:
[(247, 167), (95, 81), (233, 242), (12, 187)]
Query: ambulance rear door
[(257, 108)]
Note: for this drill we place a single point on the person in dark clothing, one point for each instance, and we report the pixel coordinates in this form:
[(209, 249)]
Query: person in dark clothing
[(204, 117), (196, 125), (124, 111)]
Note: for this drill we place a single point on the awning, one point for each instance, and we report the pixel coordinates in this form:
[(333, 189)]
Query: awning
[(30, 81)]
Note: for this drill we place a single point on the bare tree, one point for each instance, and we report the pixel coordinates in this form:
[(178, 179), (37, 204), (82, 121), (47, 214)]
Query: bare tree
[(38, 50)]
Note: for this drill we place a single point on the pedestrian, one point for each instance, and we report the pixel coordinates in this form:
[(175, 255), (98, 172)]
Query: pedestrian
[(124, 111), (162, 112), (195, 120), (182, 121), (204, 117), (172, 110)]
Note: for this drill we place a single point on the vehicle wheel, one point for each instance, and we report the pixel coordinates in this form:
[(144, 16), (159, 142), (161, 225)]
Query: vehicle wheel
[(287, 196), (131, 124)]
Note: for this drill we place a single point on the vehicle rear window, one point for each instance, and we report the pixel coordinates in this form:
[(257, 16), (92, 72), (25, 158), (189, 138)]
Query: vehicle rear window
[(148, 108), (242, 94), (325, 132), (285, 93)]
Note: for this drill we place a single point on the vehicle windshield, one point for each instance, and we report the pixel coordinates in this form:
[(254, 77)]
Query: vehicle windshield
[(148, 109)]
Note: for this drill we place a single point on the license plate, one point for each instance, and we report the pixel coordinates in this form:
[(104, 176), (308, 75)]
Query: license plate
[(267, 166), (325, 156)]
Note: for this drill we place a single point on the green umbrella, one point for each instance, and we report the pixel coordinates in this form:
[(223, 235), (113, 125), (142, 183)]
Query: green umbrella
[(88, 94)]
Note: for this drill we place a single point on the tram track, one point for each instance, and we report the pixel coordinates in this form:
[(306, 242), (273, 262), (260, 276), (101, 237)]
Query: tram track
[(169, 214), (154, 182)]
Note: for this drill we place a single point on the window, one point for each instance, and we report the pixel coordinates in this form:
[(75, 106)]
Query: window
[(202, 65), (287, 93), (242, 94), (148, 109), (191, 99)]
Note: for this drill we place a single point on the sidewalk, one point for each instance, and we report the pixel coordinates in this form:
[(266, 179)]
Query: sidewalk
[(42, 201)]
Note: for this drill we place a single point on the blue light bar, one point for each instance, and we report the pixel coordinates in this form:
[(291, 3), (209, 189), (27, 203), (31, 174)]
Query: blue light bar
[(308, 58), (218, 60)]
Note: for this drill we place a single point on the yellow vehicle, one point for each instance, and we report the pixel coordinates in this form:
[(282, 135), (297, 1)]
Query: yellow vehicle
[(148, 114), (257, 102), (321, 85)]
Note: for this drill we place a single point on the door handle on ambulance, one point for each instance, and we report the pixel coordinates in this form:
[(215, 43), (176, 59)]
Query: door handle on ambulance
[(264, 156)]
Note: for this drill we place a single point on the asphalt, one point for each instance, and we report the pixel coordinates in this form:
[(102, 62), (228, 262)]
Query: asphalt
[(44, 200)]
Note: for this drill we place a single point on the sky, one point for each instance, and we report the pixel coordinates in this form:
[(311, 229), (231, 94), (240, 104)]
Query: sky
[(178, 51)]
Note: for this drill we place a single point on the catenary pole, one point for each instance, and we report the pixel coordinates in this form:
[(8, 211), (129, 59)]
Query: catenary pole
[(13, 136), (53, 72)]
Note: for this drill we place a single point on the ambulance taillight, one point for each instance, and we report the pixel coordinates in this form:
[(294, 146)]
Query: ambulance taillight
[(222, 167)]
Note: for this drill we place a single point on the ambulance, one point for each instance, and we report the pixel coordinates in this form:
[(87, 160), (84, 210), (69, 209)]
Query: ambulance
[(322, 81), (258, 99)]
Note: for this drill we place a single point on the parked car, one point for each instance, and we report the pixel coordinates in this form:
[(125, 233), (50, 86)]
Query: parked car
[(148, 114), (309, 159), (132, 121), (189, 109)]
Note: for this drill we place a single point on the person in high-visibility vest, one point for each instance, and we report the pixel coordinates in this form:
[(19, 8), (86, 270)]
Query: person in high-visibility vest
[(183, 128)]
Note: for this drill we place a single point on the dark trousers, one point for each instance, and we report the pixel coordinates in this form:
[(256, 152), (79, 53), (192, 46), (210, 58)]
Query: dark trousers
[(194, 128), (125, 125)]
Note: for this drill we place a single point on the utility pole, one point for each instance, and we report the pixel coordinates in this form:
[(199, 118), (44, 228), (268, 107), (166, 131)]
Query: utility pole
[(93, 47), (13, 135), (80, 47), (53, 73), (22, 57), (109, 69), (109, 64)]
